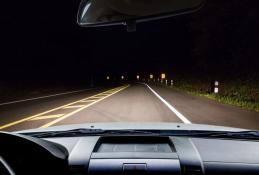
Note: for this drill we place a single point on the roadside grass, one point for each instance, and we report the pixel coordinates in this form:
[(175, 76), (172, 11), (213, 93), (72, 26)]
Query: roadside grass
[(254, 106), (237, 93)]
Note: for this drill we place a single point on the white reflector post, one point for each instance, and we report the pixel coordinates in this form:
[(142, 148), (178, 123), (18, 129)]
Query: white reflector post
[(216, 90), (172, 82), (216, 87)]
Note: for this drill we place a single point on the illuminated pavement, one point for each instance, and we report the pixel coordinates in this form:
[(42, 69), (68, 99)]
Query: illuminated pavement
[(127, 103)]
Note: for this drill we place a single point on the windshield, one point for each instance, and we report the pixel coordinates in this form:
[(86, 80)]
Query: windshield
[(198, 68)]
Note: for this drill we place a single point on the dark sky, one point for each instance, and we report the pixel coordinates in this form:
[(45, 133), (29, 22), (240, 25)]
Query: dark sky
[(40, 41)]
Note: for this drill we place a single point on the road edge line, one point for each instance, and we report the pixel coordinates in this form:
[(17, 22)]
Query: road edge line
[(173, 109)]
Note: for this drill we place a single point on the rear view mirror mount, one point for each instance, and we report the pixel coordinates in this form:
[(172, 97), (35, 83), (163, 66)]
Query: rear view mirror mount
[(96, 13)]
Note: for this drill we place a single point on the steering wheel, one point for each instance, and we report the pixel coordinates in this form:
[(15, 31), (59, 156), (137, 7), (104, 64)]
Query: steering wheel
[(27, 155)]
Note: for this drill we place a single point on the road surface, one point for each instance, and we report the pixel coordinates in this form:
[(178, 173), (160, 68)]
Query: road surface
[(127, 103)]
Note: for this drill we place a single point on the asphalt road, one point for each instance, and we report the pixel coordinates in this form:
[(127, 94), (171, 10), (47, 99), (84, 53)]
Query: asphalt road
[(127, 103)]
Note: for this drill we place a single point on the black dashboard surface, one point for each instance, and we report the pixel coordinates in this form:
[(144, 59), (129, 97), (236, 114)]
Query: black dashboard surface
[(160, 155), (21, 154)]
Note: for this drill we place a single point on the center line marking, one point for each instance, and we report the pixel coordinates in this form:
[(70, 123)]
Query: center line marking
[(78, 110), (49, 111), (71, 107), (177, 113), (87, 101), (48, 117)]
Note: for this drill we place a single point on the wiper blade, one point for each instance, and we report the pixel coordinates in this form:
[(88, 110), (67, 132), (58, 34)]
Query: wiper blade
[(251, 135), (87, 132), (177, 133), (68, 133)]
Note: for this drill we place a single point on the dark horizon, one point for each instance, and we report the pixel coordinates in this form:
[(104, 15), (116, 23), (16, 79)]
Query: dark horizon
[(41, 42)]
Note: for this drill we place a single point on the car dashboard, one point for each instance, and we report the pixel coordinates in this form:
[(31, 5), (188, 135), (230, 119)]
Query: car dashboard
[(160, 155), (129, 155)]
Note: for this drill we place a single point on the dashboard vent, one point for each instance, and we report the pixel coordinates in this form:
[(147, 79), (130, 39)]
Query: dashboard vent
[(110, 147), (137, 144)]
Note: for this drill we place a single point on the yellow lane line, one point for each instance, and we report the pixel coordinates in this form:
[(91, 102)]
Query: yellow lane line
[(87, 101), (48, 117), (76, 106), (106, 93), (78, 110), (43, 113), (101, 96), (95, 97)]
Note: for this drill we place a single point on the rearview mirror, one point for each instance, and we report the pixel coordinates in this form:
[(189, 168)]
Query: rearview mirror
[(94, 13)]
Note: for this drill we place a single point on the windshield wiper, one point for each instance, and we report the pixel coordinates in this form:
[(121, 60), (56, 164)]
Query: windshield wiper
[(249, 135), (67, 133), (87, 132), (254, 135)]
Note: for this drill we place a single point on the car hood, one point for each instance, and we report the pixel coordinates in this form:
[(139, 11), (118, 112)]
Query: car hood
[(135, 126)]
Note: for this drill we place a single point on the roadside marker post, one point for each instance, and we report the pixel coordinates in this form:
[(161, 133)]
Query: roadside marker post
[(172, 82), (216, 87), (166, 82)]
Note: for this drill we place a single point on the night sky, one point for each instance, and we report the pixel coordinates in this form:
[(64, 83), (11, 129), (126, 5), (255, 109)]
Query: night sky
[(41, 42)]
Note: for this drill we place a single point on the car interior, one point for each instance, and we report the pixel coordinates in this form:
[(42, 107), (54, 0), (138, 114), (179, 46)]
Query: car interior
[(127, 155)]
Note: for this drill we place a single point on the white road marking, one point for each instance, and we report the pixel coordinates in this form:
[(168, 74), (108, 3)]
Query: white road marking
[(177, 113), (47, 96)]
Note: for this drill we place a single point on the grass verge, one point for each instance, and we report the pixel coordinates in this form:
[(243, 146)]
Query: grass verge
[(254, 106)]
